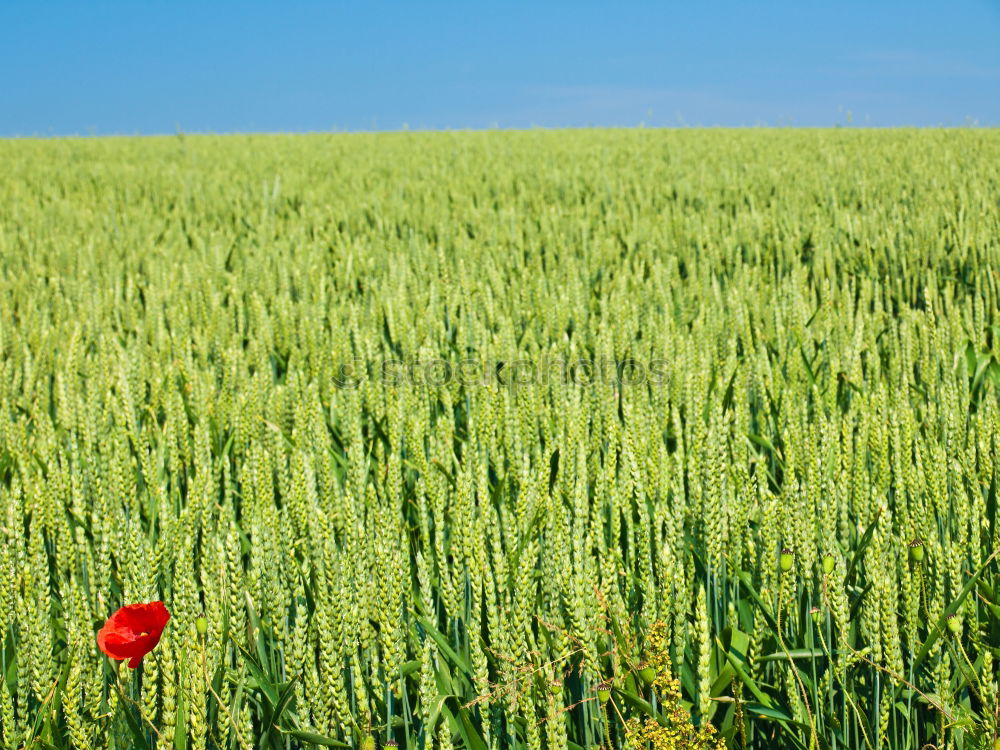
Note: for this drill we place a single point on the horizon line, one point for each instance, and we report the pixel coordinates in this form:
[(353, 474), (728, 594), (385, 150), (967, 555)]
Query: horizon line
[(482, 130)]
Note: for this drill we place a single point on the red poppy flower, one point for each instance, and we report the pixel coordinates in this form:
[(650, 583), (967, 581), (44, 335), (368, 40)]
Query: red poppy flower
[(133, 631)]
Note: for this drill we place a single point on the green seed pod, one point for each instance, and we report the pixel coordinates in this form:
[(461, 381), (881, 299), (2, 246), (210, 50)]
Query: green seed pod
[(786, 560), (646, 673), (555, 687), (916, 548), (201, 625), (828, 563), (603, 692), (368, 743), (815, 614), (954, 624), (391, 743)]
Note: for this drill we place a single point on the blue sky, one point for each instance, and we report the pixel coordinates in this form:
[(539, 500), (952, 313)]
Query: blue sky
[(104, 68)]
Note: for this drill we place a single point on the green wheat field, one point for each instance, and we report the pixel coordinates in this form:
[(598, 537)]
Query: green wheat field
[(621, 439)]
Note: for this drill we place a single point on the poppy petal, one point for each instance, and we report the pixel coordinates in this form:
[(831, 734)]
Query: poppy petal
[(133, 631)]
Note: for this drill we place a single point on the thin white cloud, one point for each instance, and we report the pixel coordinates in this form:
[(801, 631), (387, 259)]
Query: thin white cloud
[(908, 62), (629, 97)]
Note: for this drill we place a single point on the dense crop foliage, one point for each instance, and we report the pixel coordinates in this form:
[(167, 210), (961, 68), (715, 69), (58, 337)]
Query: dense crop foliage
[(463, 440)]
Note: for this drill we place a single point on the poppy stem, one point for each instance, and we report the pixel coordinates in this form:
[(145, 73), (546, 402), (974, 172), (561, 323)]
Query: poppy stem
[(228, 714), (138, 706)]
